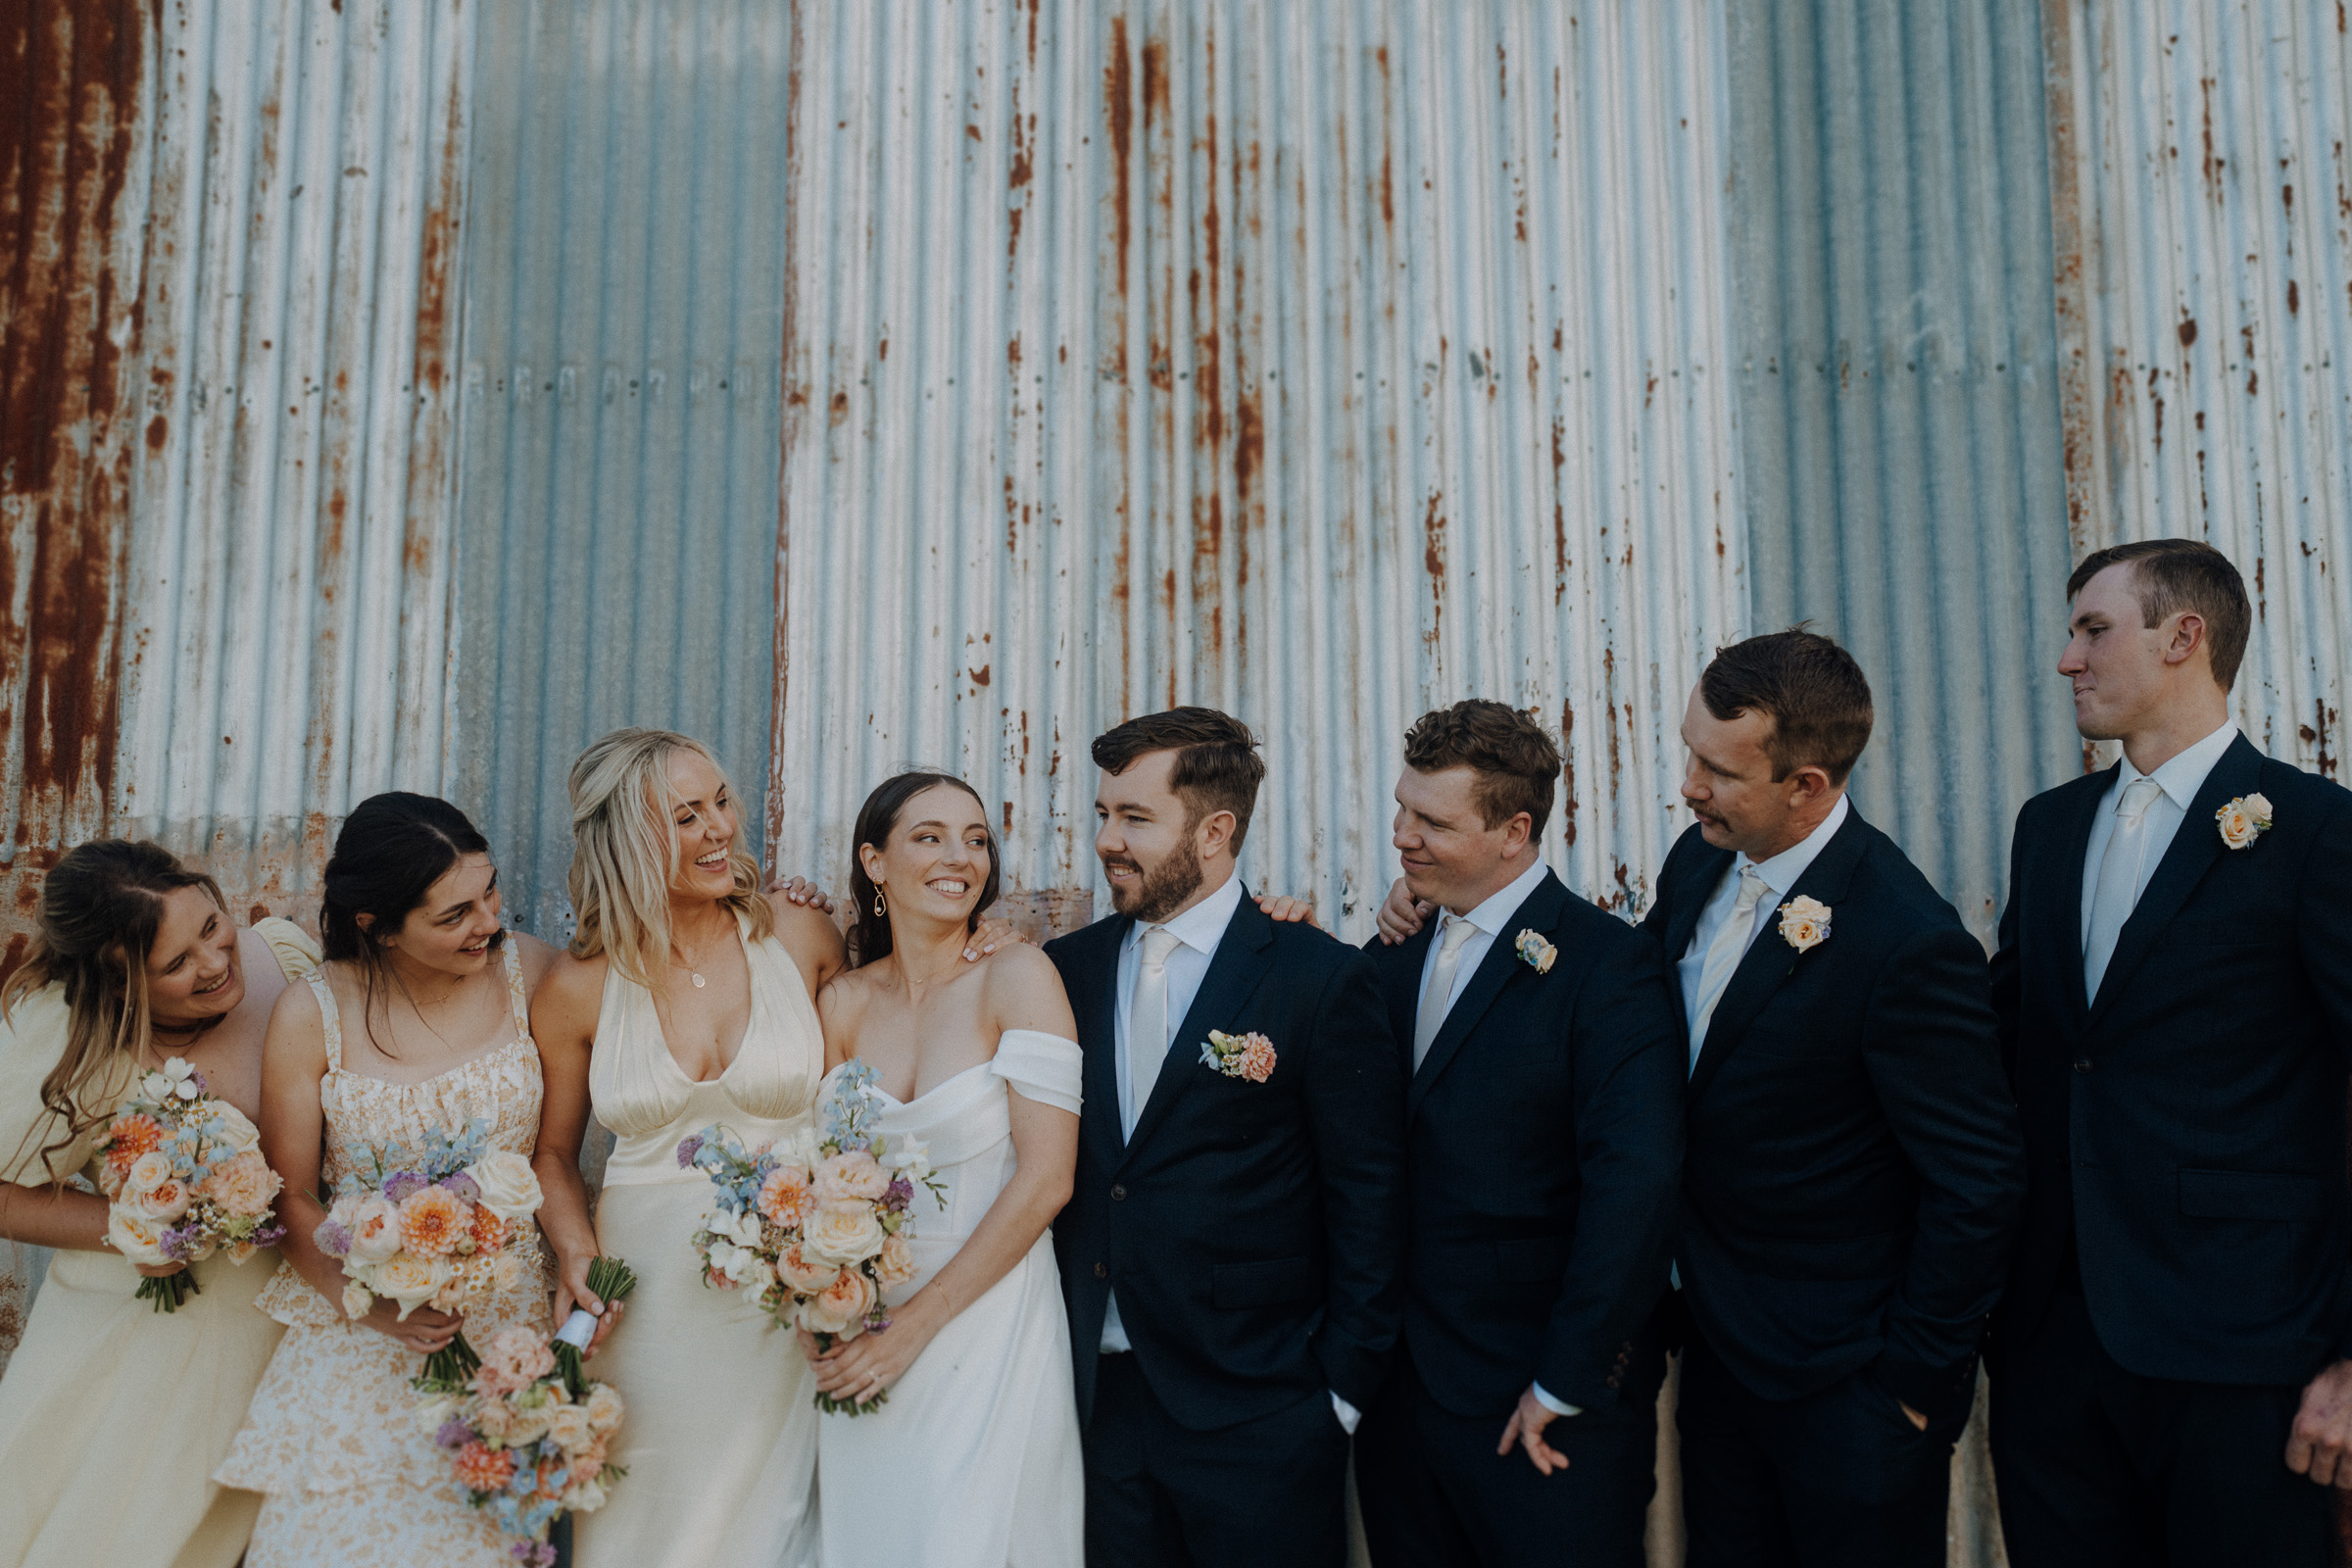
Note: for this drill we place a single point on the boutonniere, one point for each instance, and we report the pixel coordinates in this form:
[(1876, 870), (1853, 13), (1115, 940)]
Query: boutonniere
[(2243, 820), (1249, 1055), (1804, 923), (1534, 952)]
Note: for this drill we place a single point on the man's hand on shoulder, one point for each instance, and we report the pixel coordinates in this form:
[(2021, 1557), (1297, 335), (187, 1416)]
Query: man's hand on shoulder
[(2319, 1443), (1401, 915)]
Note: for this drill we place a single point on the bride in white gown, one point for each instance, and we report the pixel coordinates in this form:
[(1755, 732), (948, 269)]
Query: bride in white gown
[(974, 1460)]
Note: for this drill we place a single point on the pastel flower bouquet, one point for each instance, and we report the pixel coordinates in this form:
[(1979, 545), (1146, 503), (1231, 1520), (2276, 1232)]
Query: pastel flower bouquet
[(821, 1228), (527, 1432), (452, 1228), (183, 1177)]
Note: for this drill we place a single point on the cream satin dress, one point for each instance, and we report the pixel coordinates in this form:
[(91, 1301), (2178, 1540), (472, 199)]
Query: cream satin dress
[(332, 1440), (113, 1415), (974, 1461), (720, 1436)]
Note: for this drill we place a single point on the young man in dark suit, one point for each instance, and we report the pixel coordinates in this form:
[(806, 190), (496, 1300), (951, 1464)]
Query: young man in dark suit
[(2175, 993), (1543, 1140), (1229, 1253), (1854, 1166)]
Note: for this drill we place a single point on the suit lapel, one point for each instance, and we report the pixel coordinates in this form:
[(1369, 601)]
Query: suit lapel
[(1539, 911), (2196, 845), (2064, 933), (1769, 960), (1096, 1007), (1244, 955)]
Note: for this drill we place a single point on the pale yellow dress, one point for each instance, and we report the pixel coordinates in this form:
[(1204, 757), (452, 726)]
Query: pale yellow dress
[(332, 1440), (720, 1438), (112, 1414)]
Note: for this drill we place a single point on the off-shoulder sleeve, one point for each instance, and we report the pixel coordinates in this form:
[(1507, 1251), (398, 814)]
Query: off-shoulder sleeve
[(1043, 1067), (296, 950), (30, 1044)]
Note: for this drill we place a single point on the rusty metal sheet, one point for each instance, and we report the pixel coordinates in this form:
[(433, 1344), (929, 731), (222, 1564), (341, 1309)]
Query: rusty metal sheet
[(1325, 363), (2204, 272)]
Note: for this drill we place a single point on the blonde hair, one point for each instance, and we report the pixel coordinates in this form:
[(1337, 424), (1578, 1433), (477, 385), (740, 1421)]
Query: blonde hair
[(625, 852)]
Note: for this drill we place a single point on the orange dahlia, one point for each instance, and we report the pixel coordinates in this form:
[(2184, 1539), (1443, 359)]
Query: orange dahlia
[(489, 1230), (431, 1222), (483, 1469), (130, 1136)]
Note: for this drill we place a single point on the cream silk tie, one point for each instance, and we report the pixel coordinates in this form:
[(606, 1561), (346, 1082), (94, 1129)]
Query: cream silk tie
[(1724, 954), (1436, 999), (2119, 880), (1147, 1021)]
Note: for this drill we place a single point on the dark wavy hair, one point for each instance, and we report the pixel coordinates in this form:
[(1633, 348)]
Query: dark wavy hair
[(393, 847), (875, 820)]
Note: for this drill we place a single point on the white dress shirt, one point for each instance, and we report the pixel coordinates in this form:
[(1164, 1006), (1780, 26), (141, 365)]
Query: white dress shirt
[(2180, 778), (1487, 923), (1779, 873), (1197, 931)]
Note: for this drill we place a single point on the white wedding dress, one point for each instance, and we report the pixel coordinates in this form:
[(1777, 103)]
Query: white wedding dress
[(973, 1462)]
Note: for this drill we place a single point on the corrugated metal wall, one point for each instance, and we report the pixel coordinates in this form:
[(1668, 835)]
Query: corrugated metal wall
[(624, 298), (1324, 363), (2205, 273), (1904, 482), (285, 642)]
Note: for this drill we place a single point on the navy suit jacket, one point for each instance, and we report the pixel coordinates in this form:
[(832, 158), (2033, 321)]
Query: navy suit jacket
[(2185, 1128), (1851, 1187), (1544, 1144), (1251, 1230)]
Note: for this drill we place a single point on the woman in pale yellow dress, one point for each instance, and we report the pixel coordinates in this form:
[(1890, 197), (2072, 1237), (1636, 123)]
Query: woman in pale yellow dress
[(684, 1001), (417, 1023), (113, 1415)]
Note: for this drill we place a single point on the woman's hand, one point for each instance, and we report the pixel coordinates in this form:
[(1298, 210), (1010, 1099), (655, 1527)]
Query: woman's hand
[(426, 1331), (571, 1289), (799, 890), (160, 1271), (1401, 915), (992, 935), (869, 1364)]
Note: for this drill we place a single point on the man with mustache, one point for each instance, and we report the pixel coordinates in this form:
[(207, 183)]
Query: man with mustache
[(1230, 1249), (2169, 1365)]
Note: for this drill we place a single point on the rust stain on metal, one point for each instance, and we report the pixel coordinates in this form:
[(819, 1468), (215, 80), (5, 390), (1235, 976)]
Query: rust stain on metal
[(2294, 298), (2187, 331), (1568, 767), (1433, 564), (2068, 241), (2212, 165), (1117, 90)]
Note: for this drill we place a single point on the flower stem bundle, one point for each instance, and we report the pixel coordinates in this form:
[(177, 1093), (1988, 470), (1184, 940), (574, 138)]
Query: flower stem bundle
[(610, 1280)]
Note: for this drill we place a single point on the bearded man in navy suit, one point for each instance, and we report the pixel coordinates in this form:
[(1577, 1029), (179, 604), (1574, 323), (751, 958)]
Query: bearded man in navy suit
[(2174, 985), (1229, 1252), (1544, 1140)]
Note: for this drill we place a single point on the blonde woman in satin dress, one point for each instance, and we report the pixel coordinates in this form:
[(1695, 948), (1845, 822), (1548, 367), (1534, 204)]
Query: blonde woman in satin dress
[(683, 1002), (113, 1415), (974, 1461), (417, 1023)]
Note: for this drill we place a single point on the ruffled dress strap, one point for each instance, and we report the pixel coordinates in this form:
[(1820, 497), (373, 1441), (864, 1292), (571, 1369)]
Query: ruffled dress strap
[(1040, 1066), (327, 1016), (518, 1000), (297, 951)]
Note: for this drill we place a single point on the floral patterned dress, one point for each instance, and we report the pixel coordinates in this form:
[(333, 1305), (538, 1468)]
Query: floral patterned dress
[(332, 1440)]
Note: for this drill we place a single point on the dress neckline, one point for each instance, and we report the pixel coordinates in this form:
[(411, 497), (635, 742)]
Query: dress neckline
[(750, 1017), (519, 1014), (904, 1105)]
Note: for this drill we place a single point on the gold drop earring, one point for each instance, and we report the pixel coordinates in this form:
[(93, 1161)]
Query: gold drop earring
[(878, 907)]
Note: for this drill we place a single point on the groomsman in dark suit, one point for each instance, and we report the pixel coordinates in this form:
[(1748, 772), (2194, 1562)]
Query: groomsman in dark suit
[(1230, 1249), (1854, 1168), (2174, 994), (1519, 1423)]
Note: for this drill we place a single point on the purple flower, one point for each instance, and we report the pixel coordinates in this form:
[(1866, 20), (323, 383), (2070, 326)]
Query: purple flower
[(402, 1184), (899, 1193), (688, 1149), (175, 1244), (454, 1434), (272, 1234), (461, 1186), (332, 1238)]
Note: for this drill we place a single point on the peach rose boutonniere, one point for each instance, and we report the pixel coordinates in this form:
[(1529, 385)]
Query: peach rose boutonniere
[(1804, 923), (1534, 952), (2243, 820), (1249, 1055)]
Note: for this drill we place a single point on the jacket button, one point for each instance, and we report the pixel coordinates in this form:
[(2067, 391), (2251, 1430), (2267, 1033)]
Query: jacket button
[(1118, 1192), (2081, 1064), (1101, 1272)]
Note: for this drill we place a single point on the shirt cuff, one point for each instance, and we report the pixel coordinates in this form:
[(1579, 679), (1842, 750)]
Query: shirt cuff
[(1347, 1413), (1556, 1407)]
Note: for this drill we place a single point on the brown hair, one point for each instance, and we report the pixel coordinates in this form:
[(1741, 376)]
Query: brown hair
[(101, 906), (1217, 766), (1517, 765), (2172, 575), (1811, 689), (877, 818)]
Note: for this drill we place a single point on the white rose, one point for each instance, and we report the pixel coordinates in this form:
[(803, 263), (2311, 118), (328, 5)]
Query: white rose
[(605, 1409), (843, 1236), (148, 1172), (358, 1300), (568, 1426), (507, 1271), (410, 1280), (135, 1237), (507, 1187), (238, 1133), (435, 1410)]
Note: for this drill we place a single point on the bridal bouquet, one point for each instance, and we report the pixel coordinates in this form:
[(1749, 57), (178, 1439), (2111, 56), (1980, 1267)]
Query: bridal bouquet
[(183, 1176), (450, 1229), (819, 1228), (526, 1434)]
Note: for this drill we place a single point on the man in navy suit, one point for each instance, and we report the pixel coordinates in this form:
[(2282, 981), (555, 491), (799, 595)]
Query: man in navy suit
[(1854, 1166), (1519, 1423), (2175, 993), (1230, 1249)]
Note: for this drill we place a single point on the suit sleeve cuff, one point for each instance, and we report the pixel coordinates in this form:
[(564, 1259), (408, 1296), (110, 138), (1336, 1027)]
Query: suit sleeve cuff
[(1556, 1407), (1937, 1393), (1347, 1413)]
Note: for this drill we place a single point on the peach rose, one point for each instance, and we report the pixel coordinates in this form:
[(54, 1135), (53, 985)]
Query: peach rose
[(135, 1237), (605, 1409), (244, 1185), (357, 1299), (374, 1227), (842, 1235), (840, 1309), (852, 1175), (1804, 923), (409, 1280), (2243, 820), (495, 1417), (568, 1426), (520, 1353), (148, 1172), (894, 1263), (165, 1201), (431, 1222), (802, 1273)]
